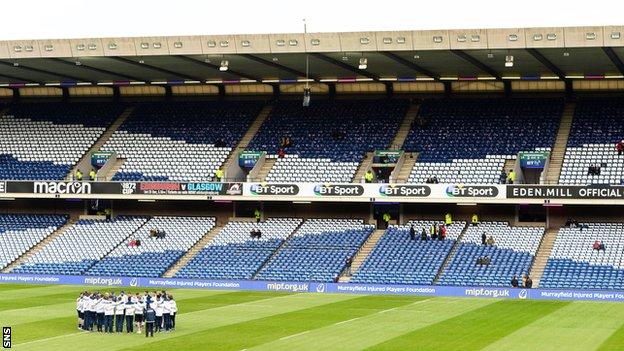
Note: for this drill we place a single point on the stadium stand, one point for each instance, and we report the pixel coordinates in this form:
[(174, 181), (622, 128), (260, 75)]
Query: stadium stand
[(512, 254), (596, 128), (329, 138), (396, 259), (573, 263), (42, 141), (468, 140), (81, 246), (179, 141), (19, 233), (232, 254), (154, 255), (317, 251)]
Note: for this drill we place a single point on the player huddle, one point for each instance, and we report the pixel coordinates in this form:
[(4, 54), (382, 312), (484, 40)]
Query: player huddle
[(155, 311)]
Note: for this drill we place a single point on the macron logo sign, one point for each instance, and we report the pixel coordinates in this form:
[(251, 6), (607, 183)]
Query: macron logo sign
[(62, 188)]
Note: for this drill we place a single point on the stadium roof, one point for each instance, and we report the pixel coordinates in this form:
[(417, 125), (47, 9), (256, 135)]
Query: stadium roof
[(538, 53)]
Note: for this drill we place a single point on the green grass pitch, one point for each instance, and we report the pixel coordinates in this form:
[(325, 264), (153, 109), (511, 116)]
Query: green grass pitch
[(44, 318)]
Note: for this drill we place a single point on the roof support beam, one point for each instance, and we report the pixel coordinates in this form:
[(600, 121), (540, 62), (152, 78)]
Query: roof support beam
[(276, 65), (411, 65), (157, 69), (213, 66), (614, 58), (38, 70), (480, 65), (345, 66), (544, 61), (95, 69)]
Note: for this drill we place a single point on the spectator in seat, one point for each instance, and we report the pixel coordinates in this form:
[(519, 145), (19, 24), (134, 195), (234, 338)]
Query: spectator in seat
[(619, 147), (448, 219), (475, 219), (368, 177), (423, 235), (511, 177), (386, 219), (257, 215), (503, 177), (433, 232), (490, 241), (92, 175), (219, 174), (281, 153), (483, 239), (435, 180), (348, 263), (412, 233), (514, 282), (596, 245), (78, 175), (528, 283), (442, 232)]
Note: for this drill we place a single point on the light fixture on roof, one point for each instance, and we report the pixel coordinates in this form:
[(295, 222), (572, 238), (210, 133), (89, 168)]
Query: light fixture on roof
[(177, 45), (28, 48), (224, 65), (461, 38), (590, 35), (275, 59), (212, 43), (15, 64), (293, 42), (615, 35), (78, 63), (437, 39), (17, 48), (246, 43), (512, 37), (141, 61), (112, 46), (144, 46), (280, 42), (490, 55), (551, 36), (157, 45), (92, 46), (537, 37), (315, 42), (475, 38), (365, 40), (416, 57), (387, 40), (363, 63), (509, 61), (80, 47), (400, 40), (345, 58), (48, 47), (224, 43), (566, 54)]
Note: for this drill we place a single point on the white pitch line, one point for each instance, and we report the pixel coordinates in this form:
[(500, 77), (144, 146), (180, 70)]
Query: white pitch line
[(347, 321), (51, 338), (292, 336)]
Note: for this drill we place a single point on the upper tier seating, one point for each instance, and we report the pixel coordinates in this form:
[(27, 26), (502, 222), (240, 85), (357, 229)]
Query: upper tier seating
[(154, 256), (396, 259), (83, 244), (468, 140), (573, 263), (19, 233), (317, 251), (176, 140), (512, 254), (232, 254), (334, 135), (42, 141), (597, 125)]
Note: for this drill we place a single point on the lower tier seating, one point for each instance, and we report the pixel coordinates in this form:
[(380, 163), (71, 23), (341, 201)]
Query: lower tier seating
[(233, 254), (573, 263), (317, 251), (154, 255), (81, 246), (396, 259), (512, 254), (19, 233)]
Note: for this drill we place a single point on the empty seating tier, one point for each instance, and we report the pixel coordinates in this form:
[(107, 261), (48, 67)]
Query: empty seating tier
[(317, 251), (19, 233), (468, 140), (512, 254), (180, 141), (233, 254), (329, 137), (396, 259), (42, 141), (81, 246), (154, 255), (597, 126), (573, 262)]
